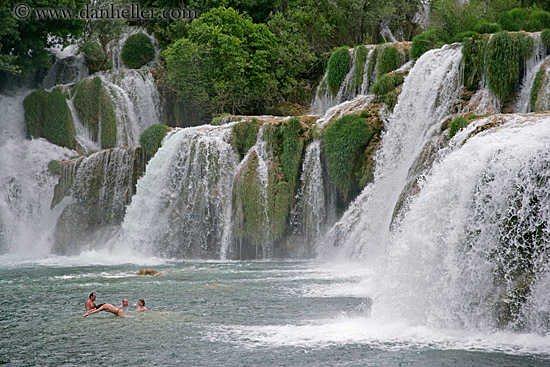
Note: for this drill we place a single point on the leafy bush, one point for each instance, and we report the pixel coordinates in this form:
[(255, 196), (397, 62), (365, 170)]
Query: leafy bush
[(463, 36), (137, 51), (388, 60), (504, 55), (485, 27), (387, 82), (513, 20), (343, 141), (245, 134), (545, 37), (47, 115), (151, 138), (337, 68), (426, 41), (538, 21), (473, 52), (455, 125), (94, 57), (360, 59)]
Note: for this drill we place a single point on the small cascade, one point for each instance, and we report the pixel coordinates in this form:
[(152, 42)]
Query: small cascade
[(100, 187), (385, 31), (472, 250), (428, 93), (68, 67), (180, 208), (483, 101), (368, 78), (532, 66), (251, 224), (355, 105)]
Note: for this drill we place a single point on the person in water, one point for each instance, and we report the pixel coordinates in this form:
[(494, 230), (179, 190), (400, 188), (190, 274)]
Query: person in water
[(108, 308), (124, 303), (141, 305), (90, 303)]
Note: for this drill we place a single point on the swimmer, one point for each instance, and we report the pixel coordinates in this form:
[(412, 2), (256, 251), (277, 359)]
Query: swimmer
[(124, 303), (90, 303), (141, 305), (108, 308)]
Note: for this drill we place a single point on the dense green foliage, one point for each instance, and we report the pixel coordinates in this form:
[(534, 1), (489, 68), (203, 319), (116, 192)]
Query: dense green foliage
[(292, 149), (361, 53), (388, 60), (47, 115), (108, 122), (535, 89), (545, 37), (486, 27), (343, 141), (86, 95), (245, 135), (94, 56), (473, 51), (426, 41), (137, 51), (337, 68), (387, 82), (513, 20), (151, 138), (538, 20), (455, 125), (504, 55), (463, 36)]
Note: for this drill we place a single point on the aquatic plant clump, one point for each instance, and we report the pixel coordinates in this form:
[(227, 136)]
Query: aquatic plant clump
[(463, 36), (86, 95), (338, 67), (137, 51), (426, 41), (245, 134), (473, 51), (485, 27), (343, 141), (108, 122), (292, 149), (361, 53), (387, 83), (455, 125), (545, 37), (388, 60), (151, 138), (94, 56)]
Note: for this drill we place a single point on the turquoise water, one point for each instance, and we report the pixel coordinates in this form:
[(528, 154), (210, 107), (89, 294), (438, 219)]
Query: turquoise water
[(225, 314)]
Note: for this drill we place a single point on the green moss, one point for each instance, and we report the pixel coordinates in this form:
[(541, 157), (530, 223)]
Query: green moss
[(137, 51), (486, 27), (513, 20), (387, 83), (343, 142), (538, 20), (504, 57), (292, 149), (151, 138), (93, 56), (338, 67), (361, 53), (545, 37), (473, 52), (86, 95), (426, 41), (217, 120), (387, 60), (245, 135), (463, 36), (108, 122), (54, 168), (535, 89), (47, 115), (455, 125), (283, 198)]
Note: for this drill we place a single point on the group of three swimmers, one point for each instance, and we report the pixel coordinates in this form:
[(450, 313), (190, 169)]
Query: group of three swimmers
[(91, 307)]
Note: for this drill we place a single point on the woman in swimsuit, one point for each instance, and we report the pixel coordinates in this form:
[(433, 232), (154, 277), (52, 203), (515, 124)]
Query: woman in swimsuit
[(106, 307)]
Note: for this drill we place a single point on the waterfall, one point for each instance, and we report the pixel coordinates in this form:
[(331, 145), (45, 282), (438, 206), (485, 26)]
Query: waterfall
[(532, 66), (428, 92), (180, 205), (68, 67), (472, 250)]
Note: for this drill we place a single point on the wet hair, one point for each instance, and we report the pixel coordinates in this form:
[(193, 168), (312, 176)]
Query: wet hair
[(98, 306), (142, 301), (92, 294)]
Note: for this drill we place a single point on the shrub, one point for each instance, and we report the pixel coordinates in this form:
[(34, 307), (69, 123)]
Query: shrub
[(245, 134), (360, 59), (388, 60), (337, 68), (388, 82), (343, 142), (538, 21), (504, 55), (93, 56), (545, 37), (535, 89), (151, 138), (473, 51), (463, 36), (425, 42), (485, 27), (137, 51), (513, 20), (455, 125)]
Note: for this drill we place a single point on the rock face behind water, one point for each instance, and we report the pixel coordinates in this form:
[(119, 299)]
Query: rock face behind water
[(98, 189)]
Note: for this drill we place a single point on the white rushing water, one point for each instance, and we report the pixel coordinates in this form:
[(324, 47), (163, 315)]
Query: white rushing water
[(180, 204), (428, 91)]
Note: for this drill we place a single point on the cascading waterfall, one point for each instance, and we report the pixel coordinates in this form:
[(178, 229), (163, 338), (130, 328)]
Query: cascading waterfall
[(428, 92), (180, 206), (472, 250), (532, 66)]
